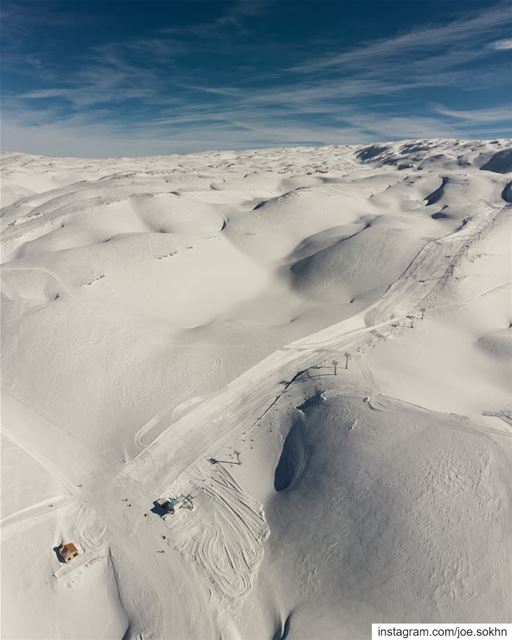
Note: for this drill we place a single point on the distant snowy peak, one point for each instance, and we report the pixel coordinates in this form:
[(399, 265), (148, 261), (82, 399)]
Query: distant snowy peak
[(25, 175), (494, 155), (438, 153)]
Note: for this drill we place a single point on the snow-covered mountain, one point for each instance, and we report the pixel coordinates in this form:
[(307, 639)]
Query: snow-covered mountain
[(313, 343)]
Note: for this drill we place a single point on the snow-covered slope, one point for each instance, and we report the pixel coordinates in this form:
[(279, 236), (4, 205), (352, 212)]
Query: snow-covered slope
[(314, 343)]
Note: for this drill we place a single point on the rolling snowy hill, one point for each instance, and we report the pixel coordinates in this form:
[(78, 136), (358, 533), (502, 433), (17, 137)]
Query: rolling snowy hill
[(313, 343)]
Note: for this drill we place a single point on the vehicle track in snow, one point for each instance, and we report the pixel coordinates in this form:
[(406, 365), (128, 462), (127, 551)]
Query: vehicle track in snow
[(16, 522), (156, 420), (224, 534), (433, 267)]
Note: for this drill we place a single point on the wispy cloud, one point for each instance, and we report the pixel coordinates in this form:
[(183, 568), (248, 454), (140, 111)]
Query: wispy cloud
[(502, 45), (435, 56), (158, 94), (417, 43), (81, 137), (233, 19), (499, 114), (401, 126), (240, 11)]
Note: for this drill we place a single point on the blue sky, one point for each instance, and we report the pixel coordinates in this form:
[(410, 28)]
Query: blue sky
[(127, 77)]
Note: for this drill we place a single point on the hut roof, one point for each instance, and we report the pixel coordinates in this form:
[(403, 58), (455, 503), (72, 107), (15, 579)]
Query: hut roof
[(69, 547)]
